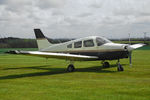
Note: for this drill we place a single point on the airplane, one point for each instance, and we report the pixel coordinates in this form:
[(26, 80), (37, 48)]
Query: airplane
[(90, 48)]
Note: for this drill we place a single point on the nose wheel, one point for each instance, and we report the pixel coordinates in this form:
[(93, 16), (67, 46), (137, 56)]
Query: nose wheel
[(120, 68)]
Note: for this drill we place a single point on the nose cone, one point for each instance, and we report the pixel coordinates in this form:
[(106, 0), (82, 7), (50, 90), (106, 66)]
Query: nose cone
[(127, 47)]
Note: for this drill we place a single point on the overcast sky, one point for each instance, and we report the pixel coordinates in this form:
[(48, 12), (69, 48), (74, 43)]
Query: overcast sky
[(75, 18)]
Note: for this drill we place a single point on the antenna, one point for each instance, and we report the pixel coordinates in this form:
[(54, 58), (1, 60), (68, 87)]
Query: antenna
[(129, 38), (145, 36)]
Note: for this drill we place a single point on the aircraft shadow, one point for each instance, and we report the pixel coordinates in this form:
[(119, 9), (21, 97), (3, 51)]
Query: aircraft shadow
[(53, 71)]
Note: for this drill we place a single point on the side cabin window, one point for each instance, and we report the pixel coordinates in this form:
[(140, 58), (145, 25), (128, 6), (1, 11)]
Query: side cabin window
[(69, 46), (88, 43), (78, 44)]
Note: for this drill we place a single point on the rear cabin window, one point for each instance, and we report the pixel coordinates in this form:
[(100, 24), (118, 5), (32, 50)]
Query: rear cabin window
[(78, 44), (69, 46), (88, 43)]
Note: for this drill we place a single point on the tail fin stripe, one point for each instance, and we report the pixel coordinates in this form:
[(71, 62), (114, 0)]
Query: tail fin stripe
[(38, 33), (42, 41)]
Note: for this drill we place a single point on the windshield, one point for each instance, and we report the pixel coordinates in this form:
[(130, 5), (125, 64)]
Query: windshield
[(101, 41)]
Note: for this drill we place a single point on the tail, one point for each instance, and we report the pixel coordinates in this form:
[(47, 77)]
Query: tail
[(42, 41)]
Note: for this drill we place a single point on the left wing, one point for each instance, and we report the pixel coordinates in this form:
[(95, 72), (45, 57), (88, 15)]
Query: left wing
[(55, 55)]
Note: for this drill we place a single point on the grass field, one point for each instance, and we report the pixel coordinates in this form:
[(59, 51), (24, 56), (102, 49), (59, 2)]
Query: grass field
[(34, 78)]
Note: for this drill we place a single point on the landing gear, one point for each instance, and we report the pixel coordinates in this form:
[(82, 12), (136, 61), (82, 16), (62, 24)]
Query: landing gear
[(120, 67), (70, 68), (106, 64)]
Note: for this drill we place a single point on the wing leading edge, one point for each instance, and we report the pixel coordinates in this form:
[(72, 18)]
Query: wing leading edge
[(55, 55)]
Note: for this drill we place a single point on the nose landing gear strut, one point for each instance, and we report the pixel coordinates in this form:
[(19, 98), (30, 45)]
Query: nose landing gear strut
[(120, 67)]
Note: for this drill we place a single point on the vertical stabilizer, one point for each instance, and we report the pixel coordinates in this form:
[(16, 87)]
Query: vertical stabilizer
[(42, 41)]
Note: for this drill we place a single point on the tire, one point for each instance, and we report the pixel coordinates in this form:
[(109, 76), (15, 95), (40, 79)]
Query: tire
[(70, 68), (106, 65), (120, 68)]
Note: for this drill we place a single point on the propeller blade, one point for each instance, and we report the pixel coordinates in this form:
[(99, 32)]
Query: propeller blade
[(130, 58), (129, 48)]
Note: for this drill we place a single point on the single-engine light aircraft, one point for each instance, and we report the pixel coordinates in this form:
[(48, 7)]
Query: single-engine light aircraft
[(84, 49)]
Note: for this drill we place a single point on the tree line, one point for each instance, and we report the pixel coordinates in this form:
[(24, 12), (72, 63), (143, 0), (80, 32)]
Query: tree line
[(12, 42)]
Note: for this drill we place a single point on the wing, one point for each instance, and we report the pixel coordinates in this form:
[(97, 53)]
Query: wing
[(55, 55)]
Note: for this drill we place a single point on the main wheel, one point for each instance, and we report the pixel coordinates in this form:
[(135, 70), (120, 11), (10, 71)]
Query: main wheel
[(70, 68), (120, 68), (106, 64)]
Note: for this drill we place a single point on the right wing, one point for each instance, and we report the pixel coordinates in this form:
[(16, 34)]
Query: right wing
[(55, 55), (135, 46)]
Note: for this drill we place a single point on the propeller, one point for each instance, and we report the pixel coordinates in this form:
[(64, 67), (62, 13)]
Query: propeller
[(130, 48), (130, 58)]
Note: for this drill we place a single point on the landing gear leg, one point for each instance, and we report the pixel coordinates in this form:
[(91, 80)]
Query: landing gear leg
[(120, 67)]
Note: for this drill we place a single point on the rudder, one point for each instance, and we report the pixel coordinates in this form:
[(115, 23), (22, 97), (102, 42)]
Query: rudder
[(42, 41)]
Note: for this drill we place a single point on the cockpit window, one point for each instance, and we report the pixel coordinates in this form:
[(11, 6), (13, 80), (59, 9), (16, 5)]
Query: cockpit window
[(69, 46), (88, 43), (101, 41), (78, 44)]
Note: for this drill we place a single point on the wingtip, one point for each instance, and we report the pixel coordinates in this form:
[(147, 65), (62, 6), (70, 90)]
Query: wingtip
[(12, 52)]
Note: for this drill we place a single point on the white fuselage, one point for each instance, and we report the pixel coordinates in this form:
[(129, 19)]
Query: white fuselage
[(105, 50), (106, 47)]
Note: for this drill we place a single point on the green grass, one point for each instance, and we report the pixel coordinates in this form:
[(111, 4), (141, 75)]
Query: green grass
[(34, 78)]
